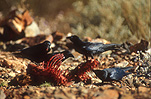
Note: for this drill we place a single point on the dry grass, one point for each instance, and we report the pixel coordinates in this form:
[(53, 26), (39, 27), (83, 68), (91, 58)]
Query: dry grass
[(114, 20)]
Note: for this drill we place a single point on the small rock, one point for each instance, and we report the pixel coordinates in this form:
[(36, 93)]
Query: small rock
[(32, 30), (12, 74), (2, 95), (149, 51), (26, 97)]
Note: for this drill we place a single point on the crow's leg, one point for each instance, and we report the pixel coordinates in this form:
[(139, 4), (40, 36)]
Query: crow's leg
[(91, 56), (121, 84), (86, 57)]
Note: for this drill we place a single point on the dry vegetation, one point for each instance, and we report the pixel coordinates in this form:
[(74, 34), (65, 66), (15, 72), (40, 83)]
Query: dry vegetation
[(114, 20)]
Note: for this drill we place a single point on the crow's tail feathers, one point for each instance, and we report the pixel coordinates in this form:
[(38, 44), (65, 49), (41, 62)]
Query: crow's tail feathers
[(127, 68), (112, 46)]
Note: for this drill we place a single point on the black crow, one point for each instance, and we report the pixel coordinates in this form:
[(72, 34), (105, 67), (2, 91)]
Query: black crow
[(112, 74), (36, 52), (89, 49)]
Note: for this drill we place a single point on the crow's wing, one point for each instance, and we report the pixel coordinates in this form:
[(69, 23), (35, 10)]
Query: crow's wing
[(94, 47), (101, 74), (116, 73), (126, 68), (31, 50)]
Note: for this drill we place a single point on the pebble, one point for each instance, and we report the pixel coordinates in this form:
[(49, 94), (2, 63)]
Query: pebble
[(26, 97), (32, 30), (12, 74), (2, 94)]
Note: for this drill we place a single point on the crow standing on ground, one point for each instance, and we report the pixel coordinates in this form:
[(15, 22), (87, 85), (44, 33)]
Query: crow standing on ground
[(89, 49), (112, 74), (37, 52)]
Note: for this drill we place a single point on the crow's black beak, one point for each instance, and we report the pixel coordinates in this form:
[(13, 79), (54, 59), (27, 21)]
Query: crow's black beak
[(72, 55), (93, 70), (68, 37)]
